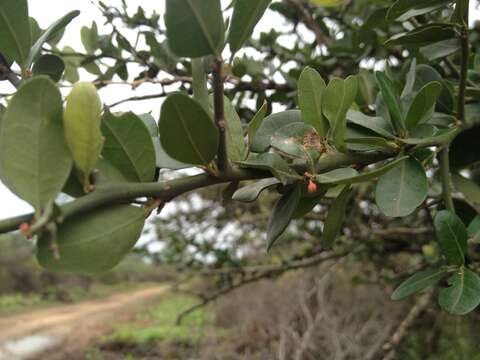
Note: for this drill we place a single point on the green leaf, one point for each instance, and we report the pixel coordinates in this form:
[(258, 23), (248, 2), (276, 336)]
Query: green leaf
[(441, 137), (256, 121), (403, 10), (52, 30), (376, 124), (337, 175), (440, 49), (392, 100), (251, 192), (195, 28), (351, 176), (426, 74), (337, 99), (246, 15), (94, 242), (261, 140), (129, 146), (308, 203), (89, 37), (311, 87), (15, 36), (82, 120), (463, 294), (464, 148), (367, 88), (468, 188), (50, 65), (200, 84), (187, 132), (235, 140), (164, 58), (420, 281), (34, 158), (274, 163), (335, 218), (424, 35), (379, 143), (423, 105), (452, 236), (474, 229), (410, 80), (282, 214), (163, 161), (72, 63), (401, 190), (298, 140)]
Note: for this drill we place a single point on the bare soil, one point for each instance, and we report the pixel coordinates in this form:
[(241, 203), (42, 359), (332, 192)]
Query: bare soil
[(75, 326)]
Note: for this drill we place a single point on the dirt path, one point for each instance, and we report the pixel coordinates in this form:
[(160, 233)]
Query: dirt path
[(26, 335)]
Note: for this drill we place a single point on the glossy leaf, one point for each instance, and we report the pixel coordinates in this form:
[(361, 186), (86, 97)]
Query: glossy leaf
[(187, 132), (402, 10), (376, 124), (441, 137), (195, 28), (235, 140), (335, 218), (401, 190), (410, 80), (15, 36), (270, 124), (392, 100), (94, 242), (424, 35), (367, 88), (423, 105), (163, 161), (463, 294), (419, 281), (274, 163), (52, 30), (468, 188), (426, 74), (282, 214), (379, 143), (251, 192), (464, 148), (129, 146), (50, 65), (246, 15), (474, 229), (311, 87), (440, 49), (82, 120), (337, 99), (297, 140), (451, 236), (351, 176), (256, 121), (34, 158)]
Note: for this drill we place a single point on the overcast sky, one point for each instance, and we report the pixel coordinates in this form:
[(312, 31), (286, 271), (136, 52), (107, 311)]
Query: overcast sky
[(47, 11)]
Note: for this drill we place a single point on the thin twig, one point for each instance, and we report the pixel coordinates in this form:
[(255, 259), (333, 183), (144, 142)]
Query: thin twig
[(390, 348), (273, 272)]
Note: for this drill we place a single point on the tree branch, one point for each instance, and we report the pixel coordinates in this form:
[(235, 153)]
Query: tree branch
[(464, 56), (390, 348), (111, 194), (272, 272), (219, 108)]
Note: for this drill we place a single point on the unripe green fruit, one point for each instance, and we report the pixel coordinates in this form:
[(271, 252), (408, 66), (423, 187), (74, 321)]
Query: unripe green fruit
[(82, 120)]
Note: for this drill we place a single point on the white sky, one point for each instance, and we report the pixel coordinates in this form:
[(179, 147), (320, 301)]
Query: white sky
[(47, 11)]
